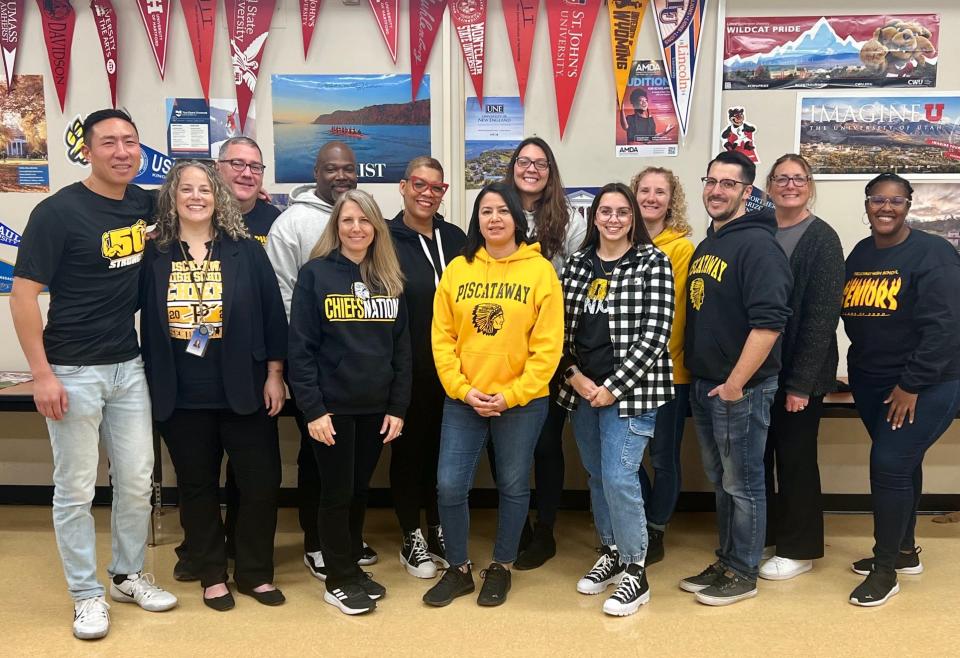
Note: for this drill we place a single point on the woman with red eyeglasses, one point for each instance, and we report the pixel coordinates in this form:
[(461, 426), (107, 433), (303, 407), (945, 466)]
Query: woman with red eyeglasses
[(425, 243)]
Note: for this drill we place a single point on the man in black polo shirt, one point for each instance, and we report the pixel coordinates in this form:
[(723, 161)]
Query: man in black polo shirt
[(241, 164)]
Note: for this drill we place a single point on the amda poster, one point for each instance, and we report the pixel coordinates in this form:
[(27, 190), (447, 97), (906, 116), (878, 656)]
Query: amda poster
[(936, 209), (493, 131), (647, 123), (23, 136), (372, 114)]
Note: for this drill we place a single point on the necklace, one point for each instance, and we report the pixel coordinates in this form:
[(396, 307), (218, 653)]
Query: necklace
[(613, 269)]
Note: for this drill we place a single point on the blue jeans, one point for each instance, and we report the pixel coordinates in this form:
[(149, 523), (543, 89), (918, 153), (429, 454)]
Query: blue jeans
[(733, 437), (661, 496), (463, 435), (612, 448), (109, 403)]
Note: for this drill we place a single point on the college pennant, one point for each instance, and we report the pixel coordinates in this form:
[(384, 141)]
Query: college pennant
[(678, 24), (521, 17), (469, 19), (249, 28), (201, 18), (571, 26), (308, 20), (58, 19), (10, 14), (425, 16), (626, 16), (106, 19), (386, 11), (156, 21)]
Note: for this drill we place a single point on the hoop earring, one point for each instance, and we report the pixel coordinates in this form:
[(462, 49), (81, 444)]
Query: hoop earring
[(865, 220)]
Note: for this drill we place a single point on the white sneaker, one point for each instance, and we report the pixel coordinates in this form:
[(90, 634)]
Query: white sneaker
[(631, 593), (141, 589), (783, 568), (606, 571), (90, 618), (314, 562), (415, 557)]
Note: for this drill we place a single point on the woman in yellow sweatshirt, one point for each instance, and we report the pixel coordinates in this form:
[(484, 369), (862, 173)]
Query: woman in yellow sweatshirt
[(497, 339), (663, 207)]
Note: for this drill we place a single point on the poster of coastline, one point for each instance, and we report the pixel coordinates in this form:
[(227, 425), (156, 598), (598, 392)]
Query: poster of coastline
[(647, 123), (817, 52), (492, 132), (371, 113), (936, 209), (23, 136), (850, 137)]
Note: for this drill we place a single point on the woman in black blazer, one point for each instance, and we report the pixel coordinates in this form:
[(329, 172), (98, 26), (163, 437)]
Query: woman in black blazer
[(214, 336)]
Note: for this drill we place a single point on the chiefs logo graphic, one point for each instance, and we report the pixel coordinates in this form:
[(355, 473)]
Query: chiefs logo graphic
[(488, 318), (696, 293), (360, 290)]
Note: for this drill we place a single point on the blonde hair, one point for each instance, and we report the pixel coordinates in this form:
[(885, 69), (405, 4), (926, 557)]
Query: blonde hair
[(227, 218), (807, 170), (677, 212), (380, 269)]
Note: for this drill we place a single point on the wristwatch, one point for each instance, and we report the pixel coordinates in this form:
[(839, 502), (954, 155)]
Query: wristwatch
[(570, 372)]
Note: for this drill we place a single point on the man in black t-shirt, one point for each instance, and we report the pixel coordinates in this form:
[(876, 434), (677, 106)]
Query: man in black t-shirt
[(85, 244), (241, 164)]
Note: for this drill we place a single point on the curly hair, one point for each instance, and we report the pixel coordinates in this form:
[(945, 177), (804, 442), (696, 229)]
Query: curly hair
[(677, 212), (227, 219)]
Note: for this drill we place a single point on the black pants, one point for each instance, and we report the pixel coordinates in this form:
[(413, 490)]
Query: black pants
[(414, 456), (197, 439), (346, 468), (308, 487), (795, 510)]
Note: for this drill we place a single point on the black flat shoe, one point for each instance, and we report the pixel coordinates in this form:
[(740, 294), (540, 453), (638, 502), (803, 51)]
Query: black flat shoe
[(220, 603), (270, 597)]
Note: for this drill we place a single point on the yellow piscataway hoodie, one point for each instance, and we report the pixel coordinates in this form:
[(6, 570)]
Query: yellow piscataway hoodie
[(498, 325), (679, 249)]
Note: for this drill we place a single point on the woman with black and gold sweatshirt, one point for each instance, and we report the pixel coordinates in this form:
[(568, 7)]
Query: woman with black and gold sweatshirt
[(497, 339)]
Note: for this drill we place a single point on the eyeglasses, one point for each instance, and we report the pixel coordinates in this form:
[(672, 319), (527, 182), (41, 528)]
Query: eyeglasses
[(724, 183), (798, 181), (256, 168), (878, 201), (606, 213), (421, 185), (524, 163)]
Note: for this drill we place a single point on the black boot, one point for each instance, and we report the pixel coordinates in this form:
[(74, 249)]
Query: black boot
[(541, 548), (655, 551)]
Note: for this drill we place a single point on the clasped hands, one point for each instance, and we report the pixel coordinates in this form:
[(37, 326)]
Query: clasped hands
[(597, 396)]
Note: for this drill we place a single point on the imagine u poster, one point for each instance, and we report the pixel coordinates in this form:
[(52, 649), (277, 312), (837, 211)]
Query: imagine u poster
[(831, 51), (936, 209), (844, 136), (23, 136), (493, 131), (647, 123), (372, 114)]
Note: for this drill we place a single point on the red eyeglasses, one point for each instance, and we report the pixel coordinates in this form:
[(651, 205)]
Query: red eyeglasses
[(421, 185)]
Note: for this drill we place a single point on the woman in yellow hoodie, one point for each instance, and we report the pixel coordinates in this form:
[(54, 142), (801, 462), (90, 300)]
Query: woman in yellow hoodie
[(497, 339), (663, 207)]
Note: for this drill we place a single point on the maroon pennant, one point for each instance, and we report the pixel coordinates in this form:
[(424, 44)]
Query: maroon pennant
[(58, 20), (521, 17), (156, 21), (201, 17), (469, 19), (308, 20), (386, 12), (11, 13), (106, 19), (248, 28), (425, 17)]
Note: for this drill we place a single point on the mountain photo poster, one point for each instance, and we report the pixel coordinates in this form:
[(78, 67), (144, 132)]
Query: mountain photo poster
[(817, 52)]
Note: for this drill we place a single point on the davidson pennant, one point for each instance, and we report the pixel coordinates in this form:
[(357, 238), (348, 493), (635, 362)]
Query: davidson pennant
[(58, 19)]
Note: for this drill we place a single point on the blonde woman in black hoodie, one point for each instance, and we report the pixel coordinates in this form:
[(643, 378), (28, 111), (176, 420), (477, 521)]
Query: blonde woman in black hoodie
[(349, 363), (425, 244)]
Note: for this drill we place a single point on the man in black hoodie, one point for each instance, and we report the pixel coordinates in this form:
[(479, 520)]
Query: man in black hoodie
[(738, 287)]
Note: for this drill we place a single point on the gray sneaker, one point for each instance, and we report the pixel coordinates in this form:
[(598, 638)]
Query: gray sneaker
[(703, 579), (726, 589)]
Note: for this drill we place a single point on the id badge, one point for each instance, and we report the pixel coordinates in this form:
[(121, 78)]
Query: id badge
[(199, 341)]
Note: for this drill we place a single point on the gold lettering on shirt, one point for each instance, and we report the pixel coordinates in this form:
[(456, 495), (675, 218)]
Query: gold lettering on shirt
[(124, 246), (712, 266), (872, 294)]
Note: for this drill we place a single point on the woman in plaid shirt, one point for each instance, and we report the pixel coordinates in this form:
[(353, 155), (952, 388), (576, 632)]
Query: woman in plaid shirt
[(618, 298)]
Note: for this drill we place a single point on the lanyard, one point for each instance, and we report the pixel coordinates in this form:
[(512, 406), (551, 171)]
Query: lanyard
[(426, 251), (202, 310)]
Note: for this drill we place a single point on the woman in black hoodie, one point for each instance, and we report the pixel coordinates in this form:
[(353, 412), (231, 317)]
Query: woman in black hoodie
[(424, 244), (349, 361)]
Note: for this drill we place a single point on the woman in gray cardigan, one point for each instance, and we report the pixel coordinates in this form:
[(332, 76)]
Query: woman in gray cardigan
[(795, 510)]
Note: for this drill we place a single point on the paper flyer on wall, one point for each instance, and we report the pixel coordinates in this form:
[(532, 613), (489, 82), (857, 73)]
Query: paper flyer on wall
[(813, 52), (936, 209), (196, 129), (492, 132), (372, 114), (846, 136), (647, 123), (23, 136), (679, 25)]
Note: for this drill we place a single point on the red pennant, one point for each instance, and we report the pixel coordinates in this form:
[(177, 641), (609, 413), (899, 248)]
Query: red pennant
[(386, 13), (156, 21), (11, 14), (469, 19), (248, 27), (425, 16), (308, 20), (58, 19), (571, 26), (521, 17), (201, 17), (106, 19)]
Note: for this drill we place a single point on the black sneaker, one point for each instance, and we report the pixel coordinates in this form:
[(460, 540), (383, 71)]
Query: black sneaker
[(726, 589), (703, 579), (183, 572), (368, 556), (876, 589), (907, 563), (315, 566), (436, 547), (350, 598), (605, 572), (373, 589), (496, 584), (655, 550), (415, 557), (541, 548), (632, 592), (453, 584)]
